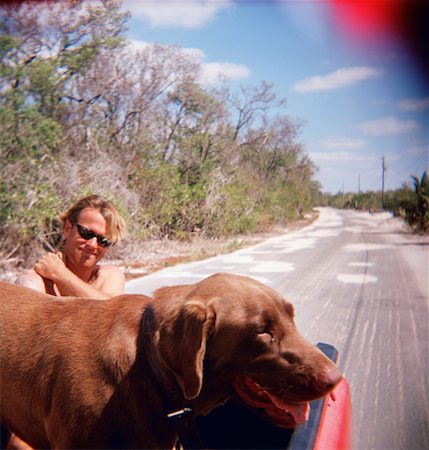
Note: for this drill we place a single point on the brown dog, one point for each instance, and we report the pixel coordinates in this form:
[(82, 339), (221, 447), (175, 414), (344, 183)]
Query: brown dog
[(79, 373)]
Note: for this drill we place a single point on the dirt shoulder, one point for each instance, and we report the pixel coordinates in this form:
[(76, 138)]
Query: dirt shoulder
[(151, 256)]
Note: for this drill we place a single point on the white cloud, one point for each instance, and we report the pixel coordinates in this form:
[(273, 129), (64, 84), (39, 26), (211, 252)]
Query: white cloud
[(211, 72), (138, 45), (413, 104), (176, 13), (196, 53), (335, 80), (215, 71), (342, 142), (388, 126)]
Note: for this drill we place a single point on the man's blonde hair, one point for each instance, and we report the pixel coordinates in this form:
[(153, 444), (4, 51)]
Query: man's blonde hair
[(115, 223)]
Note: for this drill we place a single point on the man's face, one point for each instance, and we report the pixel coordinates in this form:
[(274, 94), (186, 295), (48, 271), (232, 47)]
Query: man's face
[(80, 252)]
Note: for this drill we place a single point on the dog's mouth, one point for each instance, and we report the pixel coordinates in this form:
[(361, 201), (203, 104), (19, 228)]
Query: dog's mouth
[(283, 414)]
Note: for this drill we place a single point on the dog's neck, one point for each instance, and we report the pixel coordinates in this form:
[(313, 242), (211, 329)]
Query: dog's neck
[(174, 404), (172, 396)]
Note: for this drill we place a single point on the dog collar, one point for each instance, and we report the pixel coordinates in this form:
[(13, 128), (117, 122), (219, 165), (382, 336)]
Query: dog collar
[(171, 394)]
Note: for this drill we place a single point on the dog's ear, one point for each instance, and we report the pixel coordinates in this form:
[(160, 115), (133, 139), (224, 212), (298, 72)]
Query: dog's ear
[(182, 345)]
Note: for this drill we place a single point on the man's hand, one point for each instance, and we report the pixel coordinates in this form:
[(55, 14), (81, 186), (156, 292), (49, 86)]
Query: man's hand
[(51, 266)]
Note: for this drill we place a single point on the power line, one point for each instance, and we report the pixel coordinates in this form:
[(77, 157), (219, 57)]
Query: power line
[(383, 171), (414, 163)]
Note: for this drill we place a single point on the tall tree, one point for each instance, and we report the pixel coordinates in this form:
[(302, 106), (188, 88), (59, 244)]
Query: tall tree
[(44, 46), (421, 188)]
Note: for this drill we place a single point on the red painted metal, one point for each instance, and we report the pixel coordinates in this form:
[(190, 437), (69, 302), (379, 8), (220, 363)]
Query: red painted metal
[(335, 429)]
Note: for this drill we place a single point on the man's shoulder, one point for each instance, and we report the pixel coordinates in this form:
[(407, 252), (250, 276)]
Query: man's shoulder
[(109, 270), (32, 280), (110, 279)]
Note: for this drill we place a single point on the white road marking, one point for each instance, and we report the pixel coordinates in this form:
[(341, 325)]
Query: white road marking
[(324, 233), (361, 264), (355, 230), (237, 259), (178, 274), (366, 247), (299, 244), (336, 223), (199, 276), (356, 278), (273, 267)]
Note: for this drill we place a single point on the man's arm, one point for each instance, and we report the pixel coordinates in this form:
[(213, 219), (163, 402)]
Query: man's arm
[(107, 282)]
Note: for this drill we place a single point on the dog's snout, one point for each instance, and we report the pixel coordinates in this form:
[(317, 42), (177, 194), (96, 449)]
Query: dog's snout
[(328, 379)]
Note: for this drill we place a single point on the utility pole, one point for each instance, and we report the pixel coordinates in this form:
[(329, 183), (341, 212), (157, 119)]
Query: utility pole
[(383, 171), (359, 184)]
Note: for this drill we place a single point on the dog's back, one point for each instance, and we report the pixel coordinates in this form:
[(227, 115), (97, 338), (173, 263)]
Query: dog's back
[(35, 335)]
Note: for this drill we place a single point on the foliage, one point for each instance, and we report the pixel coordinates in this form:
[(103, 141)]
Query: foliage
[(411, 204), (419, 215), (230, 205), (370, 201), (82, 111)]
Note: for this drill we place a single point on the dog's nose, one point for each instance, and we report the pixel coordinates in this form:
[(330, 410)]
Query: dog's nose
[(328, 379)]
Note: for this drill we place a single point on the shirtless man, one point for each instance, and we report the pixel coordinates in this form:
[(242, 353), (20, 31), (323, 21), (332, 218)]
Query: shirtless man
[(89, 228)]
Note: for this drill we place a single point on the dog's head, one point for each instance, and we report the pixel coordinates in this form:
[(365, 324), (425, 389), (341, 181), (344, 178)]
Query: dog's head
[(230, 335)]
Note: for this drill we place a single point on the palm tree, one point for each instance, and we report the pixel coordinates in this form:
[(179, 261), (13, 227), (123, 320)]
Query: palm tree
[(421, 188)]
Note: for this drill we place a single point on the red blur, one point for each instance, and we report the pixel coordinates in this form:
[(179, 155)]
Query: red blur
[(368, 22), (335, 429)]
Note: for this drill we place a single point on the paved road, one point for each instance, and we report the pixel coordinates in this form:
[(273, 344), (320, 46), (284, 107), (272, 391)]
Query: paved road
[(360, 283)]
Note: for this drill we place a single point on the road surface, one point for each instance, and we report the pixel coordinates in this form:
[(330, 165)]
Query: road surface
[(359, 282)]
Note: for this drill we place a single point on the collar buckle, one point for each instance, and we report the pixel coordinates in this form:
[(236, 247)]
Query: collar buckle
[(179, 413)]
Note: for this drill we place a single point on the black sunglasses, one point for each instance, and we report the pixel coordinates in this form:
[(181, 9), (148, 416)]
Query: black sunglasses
[(88, 234)]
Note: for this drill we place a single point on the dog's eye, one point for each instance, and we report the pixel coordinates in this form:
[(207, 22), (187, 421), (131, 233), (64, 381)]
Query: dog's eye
[(267, 337)]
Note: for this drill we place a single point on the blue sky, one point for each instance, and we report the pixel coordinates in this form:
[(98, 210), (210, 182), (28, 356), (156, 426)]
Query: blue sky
[(360, 99)]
